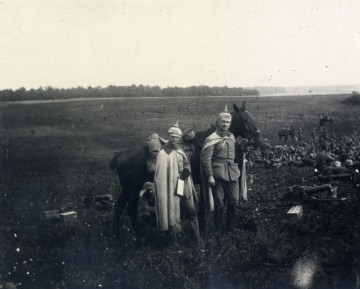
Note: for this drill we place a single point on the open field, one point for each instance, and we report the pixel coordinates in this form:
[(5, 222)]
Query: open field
[(53, 154)]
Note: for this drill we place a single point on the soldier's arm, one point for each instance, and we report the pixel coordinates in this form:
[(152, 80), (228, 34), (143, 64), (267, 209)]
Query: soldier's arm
[(187, 169), (205, 159), (186, 163)]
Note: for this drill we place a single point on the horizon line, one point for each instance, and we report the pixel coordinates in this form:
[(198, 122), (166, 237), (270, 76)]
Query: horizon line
[(199, 85)]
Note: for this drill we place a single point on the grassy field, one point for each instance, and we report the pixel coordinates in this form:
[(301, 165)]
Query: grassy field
[(53, 154)]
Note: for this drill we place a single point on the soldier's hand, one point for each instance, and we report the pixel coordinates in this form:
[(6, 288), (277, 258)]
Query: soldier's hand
[(185, 173), (211, 180)]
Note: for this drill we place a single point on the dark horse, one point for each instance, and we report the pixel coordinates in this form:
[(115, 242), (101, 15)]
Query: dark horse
[(131, 168), (285, 133), (325, 119)]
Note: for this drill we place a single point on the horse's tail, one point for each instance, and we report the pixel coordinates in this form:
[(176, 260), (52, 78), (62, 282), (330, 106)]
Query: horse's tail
[(112, 164)]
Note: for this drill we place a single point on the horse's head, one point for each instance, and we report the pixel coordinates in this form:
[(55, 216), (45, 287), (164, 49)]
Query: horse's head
[(243, 124)]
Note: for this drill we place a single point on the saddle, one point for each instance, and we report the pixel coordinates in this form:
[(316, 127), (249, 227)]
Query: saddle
[(154, 145)]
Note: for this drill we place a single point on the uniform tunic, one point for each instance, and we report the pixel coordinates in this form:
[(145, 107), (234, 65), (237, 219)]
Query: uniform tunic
[(217, 160)]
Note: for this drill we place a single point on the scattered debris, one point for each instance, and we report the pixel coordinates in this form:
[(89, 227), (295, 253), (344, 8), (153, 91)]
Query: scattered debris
[(68, 216), (106, 197), (335, 177), (318, 189), (104, 205), (49, 215), (322, 199), (295, 212), (311, 189), (103, 202), (333, 192)]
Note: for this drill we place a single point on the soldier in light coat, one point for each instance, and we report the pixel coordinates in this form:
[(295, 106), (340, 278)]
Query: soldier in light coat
[(221, 172), (172, 165)]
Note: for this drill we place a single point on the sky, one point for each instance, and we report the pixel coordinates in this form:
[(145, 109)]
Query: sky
[(71, 43)]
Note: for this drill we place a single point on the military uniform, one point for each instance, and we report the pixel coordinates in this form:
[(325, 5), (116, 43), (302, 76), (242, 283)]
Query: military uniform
[(300, 134), (172, 165), (217, 160)]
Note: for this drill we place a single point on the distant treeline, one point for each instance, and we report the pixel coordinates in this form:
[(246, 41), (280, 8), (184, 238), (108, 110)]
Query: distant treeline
[(121, 91), (354, 99)]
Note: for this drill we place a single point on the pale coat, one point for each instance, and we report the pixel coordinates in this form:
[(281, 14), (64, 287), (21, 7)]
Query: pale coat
[(168, 170)]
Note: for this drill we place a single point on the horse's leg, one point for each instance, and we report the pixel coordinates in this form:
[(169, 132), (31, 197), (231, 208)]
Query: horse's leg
[(118, 209), (130, 190), (201, 206), (129, 198), (132, 210), (135, 183)]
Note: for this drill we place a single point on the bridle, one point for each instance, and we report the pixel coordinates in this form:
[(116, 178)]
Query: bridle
[(248, 137)]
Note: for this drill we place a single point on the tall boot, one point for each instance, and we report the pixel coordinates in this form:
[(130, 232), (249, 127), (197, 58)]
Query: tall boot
[(176, 234), (218, 222), (201, 220), (195, 229), (230, 216)]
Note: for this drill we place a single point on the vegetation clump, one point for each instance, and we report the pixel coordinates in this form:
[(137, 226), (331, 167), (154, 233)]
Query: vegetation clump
[(354, 99)]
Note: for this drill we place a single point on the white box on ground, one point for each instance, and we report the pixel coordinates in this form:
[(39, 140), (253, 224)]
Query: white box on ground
[(68, 216), (47, 215), (295, 212)]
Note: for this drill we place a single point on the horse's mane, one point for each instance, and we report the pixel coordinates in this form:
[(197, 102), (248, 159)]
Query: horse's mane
[(202, 135)]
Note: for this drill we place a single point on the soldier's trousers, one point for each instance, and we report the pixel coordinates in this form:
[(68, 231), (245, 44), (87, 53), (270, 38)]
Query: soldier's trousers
[(225, 193)]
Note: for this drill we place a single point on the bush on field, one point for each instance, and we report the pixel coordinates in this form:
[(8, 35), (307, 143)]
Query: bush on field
[(354, 99)]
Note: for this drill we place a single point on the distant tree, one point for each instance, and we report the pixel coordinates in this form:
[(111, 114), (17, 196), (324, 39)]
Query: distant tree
[(6, 95), (354, 99)]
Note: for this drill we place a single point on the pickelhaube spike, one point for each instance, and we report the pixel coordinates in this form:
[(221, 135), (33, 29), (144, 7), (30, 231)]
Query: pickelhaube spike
[(175, 130), (225, 115)]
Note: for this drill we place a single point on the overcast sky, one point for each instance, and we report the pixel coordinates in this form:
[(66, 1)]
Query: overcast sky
[(72, 43)]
